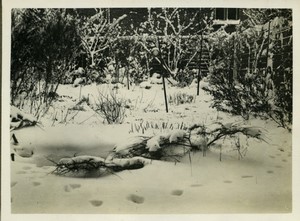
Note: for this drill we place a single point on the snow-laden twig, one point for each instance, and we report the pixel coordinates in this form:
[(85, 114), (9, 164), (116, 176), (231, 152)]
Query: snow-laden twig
[(19, 119)]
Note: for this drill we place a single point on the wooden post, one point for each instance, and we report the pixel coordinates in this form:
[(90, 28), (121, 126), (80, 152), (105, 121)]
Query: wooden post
[(79, 92), (117, 70), (127, 75), (199, 65), (164, 68), (15, 139), (165, 92)]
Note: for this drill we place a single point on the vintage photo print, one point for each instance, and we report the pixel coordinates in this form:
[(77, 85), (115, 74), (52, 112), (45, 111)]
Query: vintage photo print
[(151, 110)]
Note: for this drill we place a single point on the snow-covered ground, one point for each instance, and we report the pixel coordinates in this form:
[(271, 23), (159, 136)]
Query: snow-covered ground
[(261, 182)]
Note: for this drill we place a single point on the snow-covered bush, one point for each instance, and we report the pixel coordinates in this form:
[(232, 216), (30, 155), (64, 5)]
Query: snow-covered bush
[(256, 95), (40, 58), (79, 81), (111, 107), (282, 111), (145, 84), (156, 79), (242, 81)]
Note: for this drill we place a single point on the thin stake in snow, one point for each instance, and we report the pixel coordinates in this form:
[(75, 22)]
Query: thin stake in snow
[(157, 54)]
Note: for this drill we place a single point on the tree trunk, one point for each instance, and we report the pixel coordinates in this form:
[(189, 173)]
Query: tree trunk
[(199, 65)]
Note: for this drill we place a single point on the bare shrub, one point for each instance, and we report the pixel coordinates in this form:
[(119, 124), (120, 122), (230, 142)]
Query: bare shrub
[(181, 98), (111, 108)]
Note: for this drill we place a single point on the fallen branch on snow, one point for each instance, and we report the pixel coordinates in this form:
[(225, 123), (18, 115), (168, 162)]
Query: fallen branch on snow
[(90, 164)]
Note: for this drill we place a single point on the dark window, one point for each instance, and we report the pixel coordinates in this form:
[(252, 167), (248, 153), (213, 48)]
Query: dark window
[(220, 14), (233, 14), (227, 14)]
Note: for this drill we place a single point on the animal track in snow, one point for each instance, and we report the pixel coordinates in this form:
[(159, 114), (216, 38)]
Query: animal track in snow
[(272, 156), (135, 198), (177, 192), (227, 181), (96, 203), (284, 160), (270, 171), (12, 184)]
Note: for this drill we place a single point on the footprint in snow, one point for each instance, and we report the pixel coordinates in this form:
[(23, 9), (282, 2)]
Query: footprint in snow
[(247, 176), (36, 183), (96, 203), (75, 186), (278, 166), (135, 198), (284, 160), (272, 156), (177, 192), (196, 185), (67, 188), (227, 181), (270, 171)]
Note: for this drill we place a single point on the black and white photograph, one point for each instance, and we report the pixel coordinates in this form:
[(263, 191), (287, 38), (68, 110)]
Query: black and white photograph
[(149, 110)]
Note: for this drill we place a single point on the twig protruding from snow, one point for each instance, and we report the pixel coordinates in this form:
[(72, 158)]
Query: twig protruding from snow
[(19, 119)]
